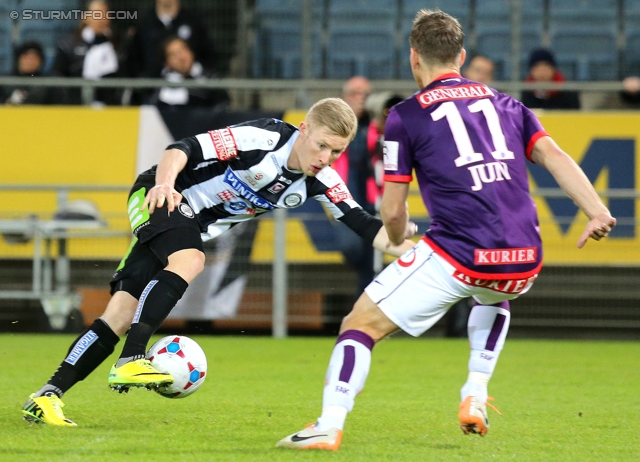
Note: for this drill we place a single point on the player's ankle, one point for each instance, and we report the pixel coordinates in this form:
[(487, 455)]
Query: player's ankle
[(332, 417), (48, 388), (122, 361)]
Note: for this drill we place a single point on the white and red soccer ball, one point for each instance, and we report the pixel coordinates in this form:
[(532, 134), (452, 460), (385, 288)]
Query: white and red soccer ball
[(183, 358)]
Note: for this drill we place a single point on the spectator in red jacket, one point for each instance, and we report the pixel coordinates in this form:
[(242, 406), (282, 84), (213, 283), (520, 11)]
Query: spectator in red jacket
[(543, 68)]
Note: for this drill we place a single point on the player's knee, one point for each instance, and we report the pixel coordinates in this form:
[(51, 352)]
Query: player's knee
[(186, 263), (194, 266), (368, 318), (197, 262)]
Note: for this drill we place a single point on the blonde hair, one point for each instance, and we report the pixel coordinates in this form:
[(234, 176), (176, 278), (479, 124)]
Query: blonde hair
[(335, 115), (436, 36)]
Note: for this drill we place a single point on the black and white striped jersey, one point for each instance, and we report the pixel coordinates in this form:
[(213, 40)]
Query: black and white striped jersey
[(239, 172)]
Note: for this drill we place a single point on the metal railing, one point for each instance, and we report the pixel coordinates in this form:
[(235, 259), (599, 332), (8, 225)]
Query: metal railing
[(65, 299), (301, 88)]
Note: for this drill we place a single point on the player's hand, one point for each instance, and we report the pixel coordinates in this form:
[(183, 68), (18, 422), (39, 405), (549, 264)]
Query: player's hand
[(159, 195), (410, 230), (598, 227)]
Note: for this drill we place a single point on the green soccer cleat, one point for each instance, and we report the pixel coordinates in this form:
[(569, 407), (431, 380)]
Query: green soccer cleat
[(138, 373), (46, 409)]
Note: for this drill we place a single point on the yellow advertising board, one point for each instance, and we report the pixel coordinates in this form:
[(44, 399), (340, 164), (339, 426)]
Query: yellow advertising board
[(67, 146), (79, 145), (605, 145)]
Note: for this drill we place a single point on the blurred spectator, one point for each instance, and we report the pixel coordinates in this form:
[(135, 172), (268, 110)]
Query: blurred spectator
[(169, 18), (29, 61), (355, 168), (180, 65), (631, 92), (480, 69), (543, 68), (378, 106), (89, 53), (628, 98)]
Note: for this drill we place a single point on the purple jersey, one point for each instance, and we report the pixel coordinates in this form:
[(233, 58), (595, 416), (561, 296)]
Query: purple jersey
[(468, 145)]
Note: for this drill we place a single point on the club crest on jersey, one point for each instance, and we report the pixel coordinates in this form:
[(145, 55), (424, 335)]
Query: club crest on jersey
[(185, 210), (339, 193), (276, 188), (224, 144), (293, 200)]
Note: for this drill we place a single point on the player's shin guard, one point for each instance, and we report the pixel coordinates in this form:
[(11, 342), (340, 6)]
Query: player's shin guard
[(487, 328), (86, 353), (346, 376), (155, 304)]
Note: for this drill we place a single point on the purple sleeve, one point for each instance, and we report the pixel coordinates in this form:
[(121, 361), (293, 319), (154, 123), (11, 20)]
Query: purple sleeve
[(532, 130), (397, 154)]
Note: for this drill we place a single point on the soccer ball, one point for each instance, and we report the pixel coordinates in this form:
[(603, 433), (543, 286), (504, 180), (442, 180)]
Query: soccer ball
[(183, 358)]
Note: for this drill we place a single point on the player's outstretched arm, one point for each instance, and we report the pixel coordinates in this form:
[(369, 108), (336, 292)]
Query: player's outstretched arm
[(381, 241), (575, 183), (394, 211), (172, 163)]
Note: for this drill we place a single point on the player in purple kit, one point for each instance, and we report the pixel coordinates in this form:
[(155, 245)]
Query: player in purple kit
[(468, 145)]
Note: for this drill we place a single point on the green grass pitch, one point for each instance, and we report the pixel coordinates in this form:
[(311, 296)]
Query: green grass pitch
[(561, 401)]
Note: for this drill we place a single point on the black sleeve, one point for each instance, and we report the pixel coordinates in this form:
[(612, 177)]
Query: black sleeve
[(362, 223), (189, 146)]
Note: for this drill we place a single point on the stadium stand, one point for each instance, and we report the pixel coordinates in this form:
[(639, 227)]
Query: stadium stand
[(278, 44), (493, 33), (6, 28), (461, 9), (631, 28), (361, 39), (584, 37), (371, 37), (47, 32)]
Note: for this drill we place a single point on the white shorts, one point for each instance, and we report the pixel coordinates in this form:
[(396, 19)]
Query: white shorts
[(417, 289)]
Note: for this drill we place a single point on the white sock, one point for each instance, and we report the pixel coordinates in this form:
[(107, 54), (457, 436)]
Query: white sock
[(487, 328), (346, 375), (476, 385), (332, 417)]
